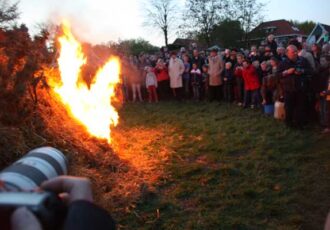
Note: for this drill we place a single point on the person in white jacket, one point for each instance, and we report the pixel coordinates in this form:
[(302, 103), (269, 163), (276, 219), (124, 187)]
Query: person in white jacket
[(176, 69)]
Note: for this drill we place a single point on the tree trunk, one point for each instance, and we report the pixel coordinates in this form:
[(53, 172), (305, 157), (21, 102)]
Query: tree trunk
[(166, 37)]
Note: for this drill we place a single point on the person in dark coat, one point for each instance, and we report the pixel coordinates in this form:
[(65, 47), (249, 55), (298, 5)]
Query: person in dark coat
[(197, 59), (228, 80), (272, 43), (294, 72)]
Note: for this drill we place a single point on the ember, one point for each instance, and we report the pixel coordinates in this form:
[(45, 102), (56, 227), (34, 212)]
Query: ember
[(90, 105)]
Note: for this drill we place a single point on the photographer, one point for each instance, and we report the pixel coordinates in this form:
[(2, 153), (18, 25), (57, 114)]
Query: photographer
[(82, 213)]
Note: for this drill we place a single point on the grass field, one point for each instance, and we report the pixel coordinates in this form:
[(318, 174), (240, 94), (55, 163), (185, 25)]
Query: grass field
[(221, 167)]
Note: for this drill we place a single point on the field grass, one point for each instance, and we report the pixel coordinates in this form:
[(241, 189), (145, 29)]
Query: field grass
[(210, 166)]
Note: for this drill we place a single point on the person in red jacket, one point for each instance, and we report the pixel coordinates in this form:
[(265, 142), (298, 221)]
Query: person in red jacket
[(163, 79), (251, 85)]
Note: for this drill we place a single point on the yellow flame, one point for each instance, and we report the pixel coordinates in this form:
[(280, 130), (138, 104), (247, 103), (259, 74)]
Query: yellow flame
[(91, 106)]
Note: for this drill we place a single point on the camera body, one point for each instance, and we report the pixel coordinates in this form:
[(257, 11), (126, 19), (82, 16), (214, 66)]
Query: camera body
[(20, 181), (46, 206)]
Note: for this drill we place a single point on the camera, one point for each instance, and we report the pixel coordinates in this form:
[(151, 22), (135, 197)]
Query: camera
[(19, 183)]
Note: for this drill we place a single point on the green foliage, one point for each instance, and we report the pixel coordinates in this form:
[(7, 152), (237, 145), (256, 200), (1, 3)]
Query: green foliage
[(231, 169), (306, 26), (202, 15), (228, 34), (133, 47), (203, 19)]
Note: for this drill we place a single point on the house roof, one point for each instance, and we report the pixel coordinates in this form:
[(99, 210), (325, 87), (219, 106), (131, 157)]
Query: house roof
[(326, 27), (184, 42), (278, 28)]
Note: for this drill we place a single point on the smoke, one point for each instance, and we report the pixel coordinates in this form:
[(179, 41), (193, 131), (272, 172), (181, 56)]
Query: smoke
[(92, 21)]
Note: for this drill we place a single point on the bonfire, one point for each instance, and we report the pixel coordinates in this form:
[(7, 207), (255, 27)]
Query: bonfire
[(90, 105)]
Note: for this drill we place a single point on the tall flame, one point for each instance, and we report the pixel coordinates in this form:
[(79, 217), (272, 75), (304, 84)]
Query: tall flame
[(91, 106)]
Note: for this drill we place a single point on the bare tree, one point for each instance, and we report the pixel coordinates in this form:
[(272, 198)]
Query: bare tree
[(161, 15), (8, 12), (249, 13), (203, 16)]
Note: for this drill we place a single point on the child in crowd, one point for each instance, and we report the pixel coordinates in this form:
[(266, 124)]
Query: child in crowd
[(205, 82), (186, 75), (251, 85), (269, 85), (239, 83), (228, 77), (151, 84), (196, 81)]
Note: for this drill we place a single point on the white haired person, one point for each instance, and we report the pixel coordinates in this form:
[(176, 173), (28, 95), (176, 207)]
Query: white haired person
[(293, 74), (175, 70), (271, 43), (216, 66)]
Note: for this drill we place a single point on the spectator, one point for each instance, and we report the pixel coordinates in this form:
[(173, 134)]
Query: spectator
[(281, 53), (186, 76), (151, 84), (293, 72), (216, 67), (267, 54), (254, 55), (302, 52), (269, 84), (196, 81), (271, 43), (176, 69), (251, 85), (232, 58), (198, 59), (226, 55), (163, 80), (265, 70), (316, 52), (228, 77), (323, 91), (239, 83), (135, 79), (205, 82)]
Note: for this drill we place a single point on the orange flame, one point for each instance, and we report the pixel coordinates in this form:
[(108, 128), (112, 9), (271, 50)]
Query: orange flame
[(91, 106)]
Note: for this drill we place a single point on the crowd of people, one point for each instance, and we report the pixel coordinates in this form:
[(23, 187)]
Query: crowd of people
[(290, 82)]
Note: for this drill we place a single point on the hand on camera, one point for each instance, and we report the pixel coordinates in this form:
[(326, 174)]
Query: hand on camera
[(69, 188)]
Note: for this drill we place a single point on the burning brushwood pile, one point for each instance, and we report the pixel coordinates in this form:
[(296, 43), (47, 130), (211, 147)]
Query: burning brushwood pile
[(79, 117)]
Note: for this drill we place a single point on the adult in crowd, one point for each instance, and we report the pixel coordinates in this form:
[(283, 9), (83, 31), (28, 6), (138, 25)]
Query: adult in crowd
[(176, 69), (216, 66), (280, 53), (271, 43), (294, 73), (197, 59), (135, 79)]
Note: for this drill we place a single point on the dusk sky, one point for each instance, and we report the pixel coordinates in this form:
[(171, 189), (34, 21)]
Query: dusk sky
[(99, 21)]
